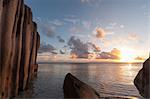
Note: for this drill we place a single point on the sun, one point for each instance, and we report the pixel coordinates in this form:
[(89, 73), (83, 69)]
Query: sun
[(127, 54)]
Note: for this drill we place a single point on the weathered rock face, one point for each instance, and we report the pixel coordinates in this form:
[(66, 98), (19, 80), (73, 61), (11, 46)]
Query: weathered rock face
[(19, 41), (142, 80), (74, 88)]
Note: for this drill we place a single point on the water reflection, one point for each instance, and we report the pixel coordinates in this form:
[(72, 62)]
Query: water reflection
[(107, 79), (128, 73), (127, 70)]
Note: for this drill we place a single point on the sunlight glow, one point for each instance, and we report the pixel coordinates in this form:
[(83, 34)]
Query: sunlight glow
[(127, 54)]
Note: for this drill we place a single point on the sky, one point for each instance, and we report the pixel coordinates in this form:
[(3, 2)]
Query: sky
[(100, 29)]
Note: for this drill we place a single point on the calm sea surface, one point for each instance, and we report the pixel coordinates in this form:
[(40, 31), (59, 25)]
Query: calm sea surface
[(109, 79)]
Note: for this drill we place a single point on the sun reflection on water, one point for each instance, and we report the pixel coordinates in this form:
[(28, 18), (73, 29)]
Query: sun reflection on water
[(128, 73), (129, 69)]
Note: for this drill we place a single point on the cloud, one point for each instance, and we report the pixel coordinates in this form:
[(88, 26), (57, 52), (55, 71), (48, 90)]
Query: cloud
[(44, 48), (111, 25), (54, 52), (85, 1), (100, 33), (78, 48), (133, 37), (48, 30), (48, 27), (70, 16), (113, 54), (92, 2), (71, 20), (122, 26), (131, 40), (104, 55), (75, 29), (86, 24), (45, 27), (94, 47), (57, 22), (108, 32), (139, 58), (81, 49), (60, 39), (114, 25), (62, 52)]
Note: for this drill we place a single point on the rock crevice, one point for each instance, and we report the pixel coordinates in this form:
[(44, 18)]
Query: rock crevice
[(19, 42)]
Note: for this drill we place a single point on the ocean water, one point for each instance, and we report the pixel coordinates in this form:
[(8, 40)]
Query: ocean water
[(108, 79)]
